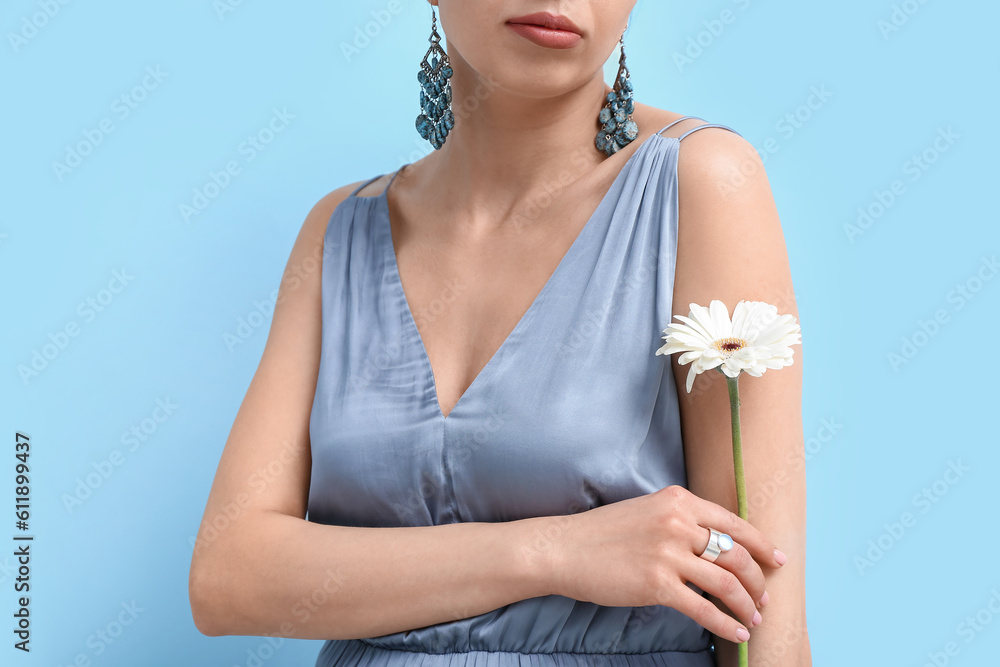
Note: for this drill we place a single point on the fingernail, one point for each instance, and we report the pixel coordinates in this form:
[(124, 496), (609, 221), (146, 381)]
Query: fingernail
[(742, 634), (756, 618), (764, 598), (780, 556)]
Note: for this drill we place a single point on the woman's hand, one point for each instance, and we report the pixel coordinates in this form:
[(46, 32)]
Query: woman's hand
[(643, 551)]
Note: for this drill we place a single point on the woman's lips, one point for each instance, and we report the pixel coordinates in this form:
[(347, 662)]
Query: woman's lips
[(554, 32)]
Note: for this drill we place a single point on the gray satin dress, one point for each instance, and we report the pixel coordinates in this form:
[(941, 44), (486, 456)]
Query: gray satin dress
[(573, 411)]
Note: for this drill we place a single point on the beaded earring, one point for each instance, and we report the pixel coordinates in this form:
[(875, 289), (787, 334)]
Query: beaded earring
[(436, 119), (617, 127)]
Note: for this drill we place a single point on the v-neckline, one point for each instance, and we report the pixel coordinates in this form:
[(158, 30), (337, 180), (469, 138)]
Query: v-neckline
[(393, 264)]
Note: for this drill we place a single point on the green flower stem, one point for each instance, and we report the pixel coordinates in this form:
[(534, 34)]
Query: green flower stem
[(734, 409), (741, 485)]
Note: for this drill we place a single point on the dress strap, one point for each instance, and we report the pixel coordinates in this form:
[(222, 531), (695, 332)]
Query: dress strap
[(695, 129), (372, 180), (702, 127), (679, 120), (365, 184), (389, 185)]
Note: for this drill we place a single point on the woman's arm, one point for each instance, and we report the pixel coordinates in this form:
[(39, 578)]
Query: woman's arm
[(731, 247), (259, 568)]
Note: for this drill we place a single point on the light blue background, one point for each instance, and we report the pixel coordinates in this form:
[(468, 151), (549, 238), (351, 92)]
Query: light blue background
[(896, 429)]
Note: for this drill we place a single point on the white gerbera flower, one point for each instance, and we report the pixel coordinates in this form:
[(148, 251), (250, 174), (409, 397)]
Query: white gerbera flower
[(757, 338)]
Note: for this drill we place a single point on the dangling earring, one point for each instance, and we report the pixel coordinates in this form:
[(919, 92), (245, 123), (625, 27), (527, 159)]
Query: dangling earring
[(617, 127), (436, 121)]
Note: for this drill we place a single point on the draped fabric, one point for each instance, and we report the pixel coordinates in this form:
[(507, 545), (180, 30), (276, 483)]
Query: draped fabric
[(573, 411)]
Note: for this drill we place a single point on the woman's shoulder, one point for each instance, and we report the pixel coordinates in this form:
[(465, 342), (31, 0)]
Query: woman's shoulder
[(331, 200), (323, 209), (317, 220), (712, 157)]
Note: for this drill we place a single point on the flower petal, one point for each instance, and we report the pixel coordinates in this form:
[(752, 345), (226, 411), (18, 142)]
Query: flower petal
[(729, 371), (686, 338), (701, 316), (695, 326), (689, 356), (705, 363), (760, 316), (740, 313), (777, 329), (720, 319), (692, 374)]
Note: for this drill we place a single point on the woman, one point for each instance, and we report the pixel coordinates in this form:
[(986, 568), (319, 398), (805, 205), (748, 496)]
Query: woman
[(460, 387)]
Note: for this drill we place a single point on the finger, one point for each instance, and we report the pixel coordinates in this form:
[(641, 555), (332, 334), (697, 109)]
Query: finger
[(738, 561), (704, 612), (711, 515), (725, 585)]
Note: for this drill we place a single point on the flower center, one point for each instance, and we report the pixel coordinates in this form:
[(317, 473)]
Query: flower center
[(729, 345)]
